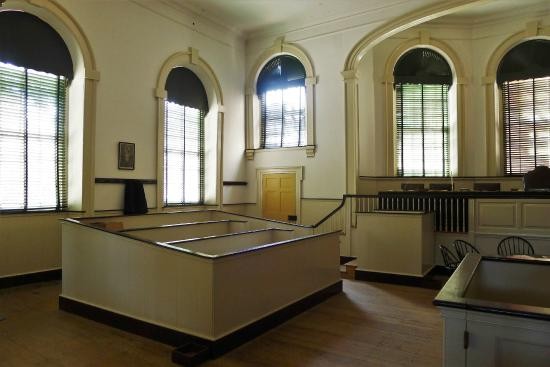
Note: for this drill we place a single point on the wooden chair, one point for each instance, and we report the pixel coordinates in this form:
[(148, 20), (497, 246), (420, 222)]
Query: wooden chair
[(440, 187), (464, 247), (537, 179), (486, 186), (413, 187), (450, 259), (514, 245)]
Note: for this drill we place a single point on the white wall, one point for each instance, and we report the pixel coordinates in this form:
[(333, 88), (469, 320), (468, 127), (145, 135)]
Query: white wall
[(474, 45), (327, 45), (130, 41)]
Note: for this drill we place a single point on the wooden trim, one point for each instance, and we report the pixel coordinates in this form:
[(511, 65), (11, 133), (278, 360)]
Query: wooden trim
[(227, 235), (121, 210), (239, 204), (445, 178), (144, 181), (235, 183), (21, 279), (335, 199), (168, 246), (467, 194), (181, 225), (38, 211), (177, 338)]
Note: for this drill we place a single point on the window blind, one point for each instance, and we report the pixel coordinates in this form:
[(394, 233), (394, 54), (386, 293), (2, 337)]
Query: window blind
[(32, 140), (183, 155), (283, 118), (282, 94), (422, 129), (29, 42), (526, 105), (422, 66)]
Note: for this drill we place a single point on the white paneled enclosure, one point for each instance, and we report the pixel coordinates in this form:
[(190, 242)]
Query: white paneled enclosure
[(205, 274)]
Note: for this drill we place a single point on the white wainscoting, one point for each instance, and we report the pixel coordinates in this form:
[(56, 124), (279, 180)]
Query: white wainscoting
[(197, 295)]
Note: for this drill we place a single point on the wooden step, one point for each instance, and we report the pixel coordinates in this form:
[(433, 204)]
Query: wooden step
[(347, 271)]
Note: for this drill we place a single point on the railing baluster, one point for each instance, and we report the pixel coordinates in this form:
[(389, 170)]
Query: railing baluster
[(464, 224), (450, 210), (452, 215), (446, 216), (440, 215)]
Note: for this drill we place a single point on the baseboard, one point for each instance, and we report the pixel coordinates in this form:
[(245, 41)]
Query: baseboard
[(427, 281), (139, 327), (259, 327), (177, 338), (22, 279)]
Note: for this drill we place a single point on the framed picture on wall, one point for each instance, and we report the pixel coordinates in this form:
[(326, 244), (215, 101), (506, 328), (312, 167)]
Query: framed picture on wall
[(126, 155)]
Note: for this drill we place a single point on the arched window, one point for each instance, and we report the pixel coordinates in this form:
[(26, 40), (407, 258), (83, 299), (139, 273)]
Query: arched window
[(185, 108), (35, 69), (282, 94), (422, 78), (524, 78)]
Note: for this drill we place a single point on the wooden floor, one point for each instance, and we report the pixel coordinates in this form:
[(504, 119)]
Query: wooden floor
[(370, 324)]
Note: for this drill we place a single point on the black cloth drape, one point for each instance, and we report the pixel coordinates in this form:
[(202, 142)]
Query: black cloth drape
[(134, 197)]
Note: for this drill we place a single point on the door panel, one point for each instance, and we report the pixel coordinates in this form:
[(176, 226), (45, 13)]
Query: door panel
[(279, 196)]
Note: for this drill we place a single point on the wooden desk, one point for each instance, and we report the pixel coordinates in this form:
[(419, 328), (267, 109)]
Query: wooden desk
[(395, 242), (530, 257)]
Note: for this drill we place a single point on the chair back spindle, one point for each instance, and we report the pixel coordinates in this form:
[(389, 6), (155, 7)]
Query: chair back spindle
[(463, 247), (450, 259), (514, 245)]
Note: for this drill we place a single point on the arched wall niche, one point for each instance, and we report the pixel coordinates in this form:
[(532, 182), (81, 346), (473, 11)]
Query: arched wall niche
[(456, 94), (81, 97), (350, 74), (214, 119), (251, 100), (493, 113)]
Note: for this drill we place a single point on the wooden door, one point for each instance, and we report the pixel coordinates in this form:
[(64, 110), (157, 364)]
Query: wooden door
[(279, 196)]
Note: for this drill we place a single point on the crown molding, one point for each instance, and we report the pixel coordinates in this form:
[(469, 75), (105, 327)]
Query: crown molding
[(186, 17), (337, 24), (537, 11)]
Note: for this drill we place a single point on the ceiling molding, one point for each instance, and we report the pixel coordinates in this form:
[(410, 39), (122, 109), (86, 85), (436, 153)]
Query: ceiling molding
[(535, 11), (173, 11), (336, 24)]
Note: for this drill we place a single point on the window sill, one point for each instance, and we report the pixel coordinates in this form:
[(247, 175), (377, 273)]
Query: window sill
[(182, 205), (40, 212), (309, 149)]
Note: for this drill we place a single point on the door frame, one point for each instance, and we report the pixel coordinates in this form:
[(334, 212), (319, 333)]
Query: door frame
[(298, 174)]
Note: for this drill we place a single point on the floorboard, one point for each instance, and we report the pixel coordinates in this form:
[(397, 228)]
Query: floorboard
[(369, 324)]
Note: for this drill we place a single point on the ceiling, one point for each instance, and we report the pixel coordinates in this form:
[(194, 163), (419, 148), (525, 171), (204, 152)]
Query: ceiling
[(249, 16), (497, 8)]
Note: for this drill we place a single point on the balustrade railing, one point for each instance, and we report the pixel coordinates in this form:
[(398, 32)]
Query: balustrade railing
[(450, 211), (334, 221)]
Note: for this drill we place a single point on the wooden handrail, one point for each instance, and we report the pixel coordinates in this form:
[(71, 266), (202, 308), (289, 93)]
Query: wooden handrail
[(344, 198), (331, 213)]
